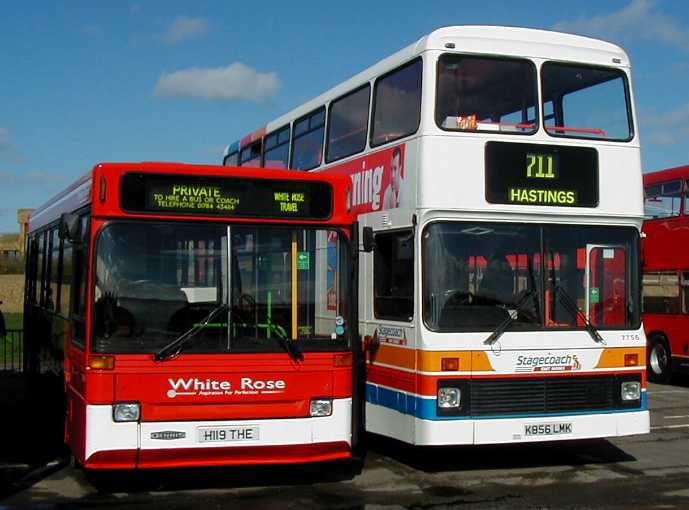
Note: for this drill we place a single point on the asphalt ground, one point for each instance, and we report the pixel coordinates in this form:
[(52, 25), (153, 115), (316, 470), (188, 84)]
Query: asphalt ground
[(636, 472)]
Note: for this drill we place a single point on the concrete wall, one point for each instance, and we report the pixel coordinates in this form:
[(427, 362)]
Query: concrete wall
[(12, 292)]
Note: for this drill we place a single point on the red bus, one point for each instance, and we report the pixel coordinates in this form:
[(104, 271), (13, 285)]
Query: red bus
[(183, 311), (666, 272)]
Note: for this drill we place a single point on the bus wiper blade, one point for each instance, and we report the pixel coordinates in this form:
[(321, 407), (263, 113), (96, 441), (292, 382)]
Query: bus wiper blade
[(572, 308), (511, 317), (290, 347), (173, 348)]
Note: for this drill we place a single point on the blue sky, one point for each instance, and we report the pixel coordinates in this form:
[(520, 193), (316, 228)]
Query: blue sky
[(88, 81)]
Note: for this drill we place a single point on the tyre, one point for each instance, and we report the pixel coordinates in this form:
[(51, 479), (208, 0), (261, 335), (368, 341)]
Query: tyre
[(659, 366)]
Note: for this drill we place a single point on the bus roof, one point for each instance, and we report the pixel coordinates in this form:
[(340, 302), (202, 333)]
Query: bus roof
[(86, 189), (669, 174), (479, 39)]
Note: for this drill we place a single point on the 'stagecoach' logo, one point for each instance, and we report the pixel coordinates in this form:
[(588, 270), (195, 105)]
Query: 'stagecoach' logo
[(548, 363)]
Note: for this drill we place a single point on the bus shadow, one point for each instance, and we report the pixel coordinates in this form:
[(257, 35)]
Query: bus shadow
[(224, 477), (435, 459)]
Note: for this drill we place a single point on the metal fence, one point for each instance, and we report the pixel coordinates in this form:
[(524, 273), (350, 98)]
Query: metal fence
[(12, 351)]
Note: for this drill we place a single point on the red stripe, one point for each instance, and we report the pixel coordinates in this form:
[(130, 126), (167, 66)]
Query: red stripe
[(188, 457)]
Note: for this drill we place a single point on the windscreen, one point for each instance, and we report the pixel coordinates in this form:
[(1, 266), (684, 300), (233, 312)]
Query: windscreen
[(585, 102), (477, 275), (486, 94), (236, 288)]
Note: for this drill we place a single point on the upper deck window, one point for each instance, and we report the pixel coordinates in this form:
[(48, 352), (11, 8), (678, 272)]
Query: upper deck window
[(663, 200), (277, 149), (231, 159), (585, 102), (251, 155), (307, 141), (486, 94), (347, 126), (397, 104)]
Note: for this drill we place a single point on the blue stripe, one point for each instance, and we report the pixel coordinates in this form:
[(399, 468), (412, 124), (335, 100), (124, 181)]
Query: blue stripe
[(426, 409)]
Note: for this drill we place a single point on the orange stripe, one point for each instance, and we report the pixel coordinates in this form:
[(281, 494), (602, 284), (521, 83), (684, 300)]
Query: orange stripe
[(614, 357), (431, 361)]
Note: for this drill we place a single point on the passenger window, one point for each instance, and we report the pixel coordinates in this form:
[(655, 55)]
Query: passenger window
[(348, 122), (684, 283), (663, 200), (40, 275), (250, 155), (486, 94), (277, 149), (53, 299), (307, 144), (661, 293), (397, 104), (393, 276), (231, 159), (80, 281), (66, 277)]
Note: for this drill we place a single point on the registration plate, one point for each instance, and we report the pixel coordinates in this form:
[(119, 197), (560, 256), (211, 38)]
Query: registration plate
[(548, 429), (227, 434)]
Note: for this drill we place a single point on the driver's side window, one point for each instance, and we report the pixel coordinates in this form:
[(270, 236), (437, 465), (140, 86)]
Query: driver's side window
[(393, 276)]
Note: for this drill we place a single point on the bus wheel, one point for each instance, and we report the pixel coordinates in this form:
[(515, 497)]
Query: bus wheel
[(659, 360)]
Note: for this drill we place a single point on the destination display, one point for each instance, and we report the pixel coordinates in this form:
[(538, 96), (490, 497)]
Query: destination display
[(226, 196), (550, 175)]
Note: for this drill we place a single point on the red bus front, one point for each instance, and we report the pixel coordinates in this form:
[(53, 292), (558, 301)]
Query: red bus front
[(213, 340)]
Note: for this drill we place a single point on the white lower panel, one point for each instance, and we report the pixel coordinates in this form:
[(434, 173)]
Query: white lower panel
[(102, 434), (390, 423), (512, 430)]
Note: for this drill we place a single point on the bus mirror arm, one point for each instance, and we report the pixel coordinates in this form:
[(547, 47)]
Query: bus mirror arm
[(368, 240)]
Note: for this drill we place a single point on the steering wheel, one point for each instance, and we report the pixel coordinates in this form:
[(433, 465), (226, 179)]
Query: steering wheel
[(457, 297)]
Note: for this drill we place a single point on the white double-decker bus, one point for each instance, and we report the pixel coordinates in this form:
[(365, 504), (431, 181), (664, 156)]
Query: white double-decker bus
[(497, 176)]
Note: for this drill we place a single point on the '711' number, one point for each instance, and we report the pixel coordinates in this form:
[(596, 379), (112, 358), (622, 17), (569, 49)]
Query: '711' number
[(540, 166)]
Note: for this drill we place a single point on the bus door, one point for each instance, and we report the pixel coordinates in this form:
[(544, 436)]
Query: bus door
[(388, 310), (606, 277)]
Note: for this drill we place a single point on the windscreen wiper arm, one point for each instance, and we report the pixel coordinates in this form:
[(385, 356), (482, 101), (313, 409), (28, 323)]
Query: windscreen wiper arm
[(290, 347), (511, 317), (572, 308), (173, 348)]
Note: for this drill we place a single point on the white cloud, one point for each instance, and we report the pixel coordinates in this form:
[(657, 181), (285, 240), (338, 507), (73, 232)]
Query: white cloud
[(639, 19), (183, 28), (667, 129), (236, 81)]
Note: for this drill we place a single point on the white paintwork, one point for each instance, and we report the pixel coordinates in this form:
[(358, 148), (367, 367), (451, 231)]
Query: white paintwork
[(407, 428), (102, 434)]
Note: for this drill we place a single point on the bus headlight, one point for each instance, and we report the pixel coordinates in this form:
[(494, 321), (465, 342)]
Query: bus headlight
[(449, 397), (630, 390), (321, 407), (126, 411)]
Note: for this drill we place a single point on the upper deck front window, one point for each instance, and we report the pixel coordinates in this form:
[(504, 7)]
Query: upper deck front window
[(486, 94), (585, 102)]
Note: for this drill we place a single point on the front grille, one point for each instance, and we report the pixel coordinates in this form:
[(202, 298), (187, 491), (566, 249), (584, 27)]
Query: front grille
[(543, 395)]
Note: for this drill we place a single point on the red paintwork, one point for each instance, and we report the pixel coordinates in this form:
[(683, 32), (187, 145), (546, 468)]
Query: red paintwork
[(665, 247), (242, 455), (139, 378)]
